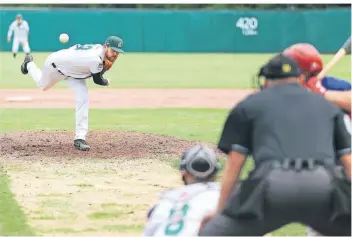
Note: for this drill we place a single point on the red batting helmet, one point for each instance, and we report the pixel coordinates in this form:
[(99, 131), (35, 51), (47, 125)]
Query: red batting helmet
[(307, 57)]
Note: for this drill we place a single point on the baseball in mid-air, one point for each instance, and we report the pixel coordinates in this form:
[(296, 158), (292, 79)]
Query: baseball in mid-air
[(64, 38)]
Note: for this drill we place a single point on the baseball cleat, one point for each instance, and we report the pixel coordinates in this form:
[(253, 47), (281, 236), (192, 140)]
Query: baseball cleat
[(27, 59), (81, 144)]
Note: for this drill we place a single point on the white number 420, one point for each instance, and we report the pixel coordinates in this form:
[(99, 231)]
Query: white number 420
[(247, 23)]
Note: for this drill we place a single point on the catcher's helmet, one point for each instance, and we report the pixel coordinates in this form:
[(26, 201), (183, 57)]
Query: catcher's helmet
[(200, 162), (307, 57)]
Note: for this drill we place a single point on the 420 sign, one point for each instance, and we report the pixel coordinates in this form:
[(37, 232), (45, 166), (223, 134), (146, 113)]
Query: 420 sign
[(249, 25)]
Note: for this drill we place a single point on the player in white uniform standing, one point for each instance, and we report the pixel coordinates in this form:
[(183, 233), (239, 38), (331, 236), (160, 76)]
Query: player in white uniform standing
[(20, 28), (74, 65), (180, 211)]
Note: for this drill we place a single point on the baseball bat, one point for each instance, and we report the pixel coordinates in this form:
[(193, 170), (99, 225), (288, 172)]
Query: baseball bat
[(345, 49)]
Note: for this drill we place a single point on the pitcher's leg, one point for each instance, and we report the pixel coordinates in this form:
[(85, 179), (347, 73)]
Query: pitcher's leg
[(44, 79), (35, 73), (80, 91)]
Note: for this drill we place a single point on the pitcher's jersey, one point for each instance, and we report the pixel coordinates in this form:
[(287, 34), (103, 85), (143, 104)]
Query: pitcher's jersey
[(20, 30), (79, 61), (180, 211)]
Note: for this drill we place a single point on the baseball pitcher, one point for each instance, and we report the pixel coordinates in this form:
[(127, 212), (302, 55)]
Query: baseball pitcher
[(180, 211), (75, 65), (20, 28)]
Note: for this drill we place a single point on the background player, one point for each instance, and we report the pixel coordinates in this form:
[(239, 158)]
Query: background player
[(74, 65), (180, 211), (334, 89), (20, 28)]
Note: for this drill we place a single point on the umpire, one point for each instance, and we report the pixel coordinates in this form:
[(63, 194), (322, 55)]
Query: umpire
[(296, 139)]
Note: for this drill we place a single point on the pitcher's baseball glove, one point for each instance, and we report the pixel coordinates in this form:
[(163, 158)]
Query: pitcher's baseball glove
[(107, 64)]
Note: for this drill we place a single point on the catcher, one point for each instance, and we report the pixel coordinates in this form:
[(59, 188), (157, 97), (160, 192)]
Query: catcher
[(74, 65)]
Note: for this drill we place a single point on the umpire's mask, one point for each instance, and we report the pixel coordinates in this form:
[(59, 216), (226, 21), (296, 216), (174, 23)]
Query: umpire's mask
[(258, 80), (200, 162)]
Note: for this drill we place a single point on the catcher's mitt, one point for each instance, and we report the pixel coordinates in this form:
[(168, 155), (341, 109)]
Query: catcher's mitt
[(107, 64)]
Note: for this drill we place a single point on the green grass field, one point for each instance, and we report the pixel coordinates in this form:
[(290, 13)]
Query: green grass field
[(191, 124), (183, 123), (137, 71), (134, 70), (13, 222)]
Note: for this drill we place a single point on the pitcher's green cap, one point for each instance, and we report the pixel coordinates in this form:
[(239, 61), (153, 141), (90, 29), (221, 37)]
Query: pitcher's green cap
[(115, 43)]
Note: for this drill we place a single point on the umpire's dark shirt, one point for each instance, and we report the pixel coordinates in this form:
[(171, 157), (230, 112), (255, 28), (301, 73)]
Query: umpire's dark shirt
[(286, 121)]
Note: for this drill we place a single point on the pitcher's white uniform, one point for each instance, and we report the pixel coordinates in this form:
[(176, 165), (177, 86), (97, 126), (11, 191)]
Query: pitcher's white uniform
[(73, 65), (21, 32), (180, 211)]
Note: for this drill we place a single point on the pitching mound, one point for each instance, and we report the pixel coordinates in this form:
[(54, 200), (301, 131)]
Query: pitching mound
[(104, 144)]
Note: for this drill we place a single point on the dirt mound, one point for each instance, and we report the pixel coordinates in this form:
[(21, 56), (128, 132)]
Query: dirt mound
[(104, 144)]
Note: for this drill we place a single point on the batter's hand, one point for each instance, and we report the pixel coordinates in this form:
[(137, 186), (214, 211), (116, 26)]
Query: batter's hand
[(313, 84), (9, 39)]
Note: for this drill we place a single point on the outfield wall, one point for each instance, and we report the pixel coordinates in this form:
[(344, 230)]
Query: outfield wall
[(185, 31)]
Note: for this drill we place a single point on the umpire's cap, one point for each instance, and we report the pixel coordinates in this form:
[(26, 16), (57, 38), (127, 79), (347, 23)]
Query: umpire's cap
[(280, 67), (200, 162)]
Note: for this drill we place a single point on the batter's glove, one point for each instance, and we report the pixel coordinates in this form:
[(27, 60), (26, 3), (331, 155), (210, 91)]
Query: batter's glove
[(313, 84)]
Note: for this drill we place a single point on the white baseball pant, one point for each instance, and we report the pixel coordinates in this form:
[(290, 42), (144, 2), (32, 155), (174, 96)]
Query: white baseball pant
[(24, 43), (49, 76)]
